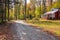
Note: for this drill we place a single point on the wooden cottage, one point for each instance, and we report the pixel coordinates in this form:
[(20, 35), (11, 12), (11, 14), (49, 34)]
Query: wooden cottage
[(53, 14)]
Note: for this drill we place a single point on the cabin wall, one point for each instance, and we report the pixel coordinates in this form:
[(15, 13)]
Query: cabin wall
[(57, 15)]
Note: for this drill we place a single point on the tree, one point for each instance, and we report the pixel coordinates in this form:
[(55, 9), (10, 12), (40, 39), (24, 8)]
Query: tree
[(51, 2), (25, 9), (38, 8), (58, 3), (44, 6), (5, 9), (8, 10), (2, 10), (33, 7), (17, 8)]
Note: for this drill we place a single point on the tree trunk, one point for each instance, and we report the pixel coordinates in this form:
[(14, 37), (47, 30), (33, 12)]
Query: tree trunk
[(8, 10), (18, 11), (51, 2), (25, 10), (44, 5), (5, 10)]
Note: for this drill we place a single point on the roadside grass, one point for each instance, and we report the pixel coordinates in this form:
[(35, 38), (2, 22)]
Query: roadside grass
[(51, 26)]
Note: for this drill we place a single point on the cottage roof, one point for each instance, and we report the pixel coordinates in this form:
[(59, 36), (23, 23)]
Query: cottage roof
[(51, 12)]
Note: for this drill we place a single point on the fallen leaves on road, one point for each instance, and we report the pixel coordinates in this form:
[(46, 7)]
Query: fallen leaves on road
[(5, 33)]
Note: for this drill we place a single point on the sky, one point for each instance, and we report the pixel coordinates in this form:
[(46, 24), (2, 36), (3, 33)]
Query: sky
[(28, 1)]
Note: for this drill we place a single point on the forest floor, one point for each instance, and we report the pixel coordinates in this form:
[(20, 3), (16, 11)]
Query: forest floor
[(50, 26)]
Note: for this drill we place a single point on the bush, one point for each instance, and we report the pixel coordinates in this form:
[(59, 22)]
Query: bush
[(35, 18)]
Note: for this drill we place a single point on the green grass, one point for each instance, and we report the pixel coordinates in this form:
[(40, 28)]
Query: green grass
[(52, 26)]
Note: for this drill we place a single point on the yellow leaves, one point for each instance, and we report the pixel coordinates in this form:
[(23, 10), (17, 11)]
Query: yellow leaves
[(28, 5)]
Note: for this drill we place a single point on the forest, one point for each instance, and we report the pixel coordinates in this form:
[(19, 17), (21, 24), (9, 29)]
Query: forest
[(29, 19), (26, 9)]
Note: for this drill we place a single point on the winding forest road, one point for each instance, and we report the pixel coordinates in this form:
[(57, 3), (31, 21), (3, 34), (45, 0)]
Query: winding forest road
[(22, 31)]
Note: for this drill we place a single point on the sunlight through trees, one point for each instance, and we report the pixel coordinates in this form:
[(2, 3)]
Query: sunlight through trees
[(25, 9)]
